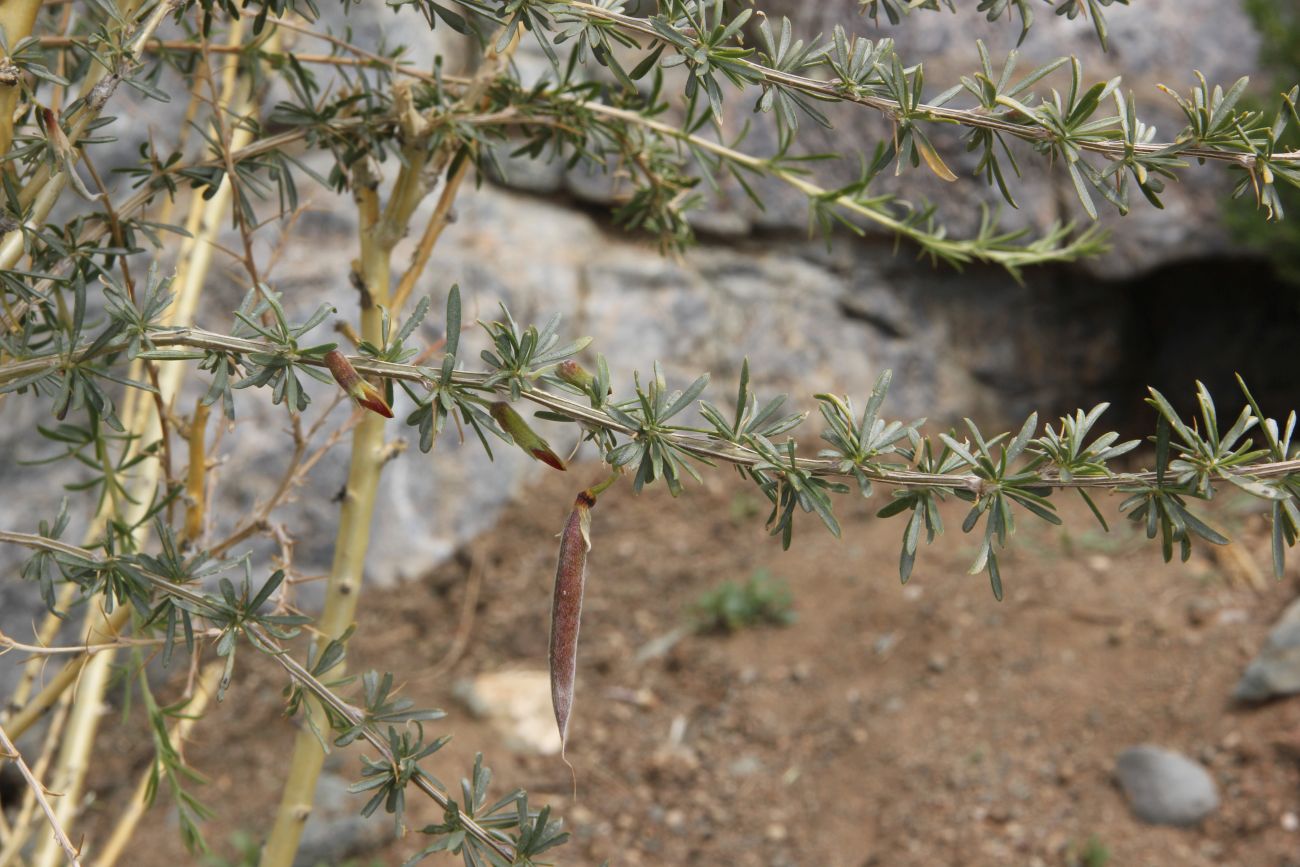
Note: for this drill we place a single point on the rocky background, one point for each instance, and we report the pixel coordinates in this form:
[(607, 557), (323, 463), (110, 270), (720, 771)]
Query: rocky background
[(1173, 301), (973, 343)]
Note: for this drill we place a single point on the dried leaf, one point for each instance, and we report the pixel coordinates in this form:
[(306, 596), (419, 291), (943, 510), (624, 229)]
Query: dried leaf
[(932, 158)]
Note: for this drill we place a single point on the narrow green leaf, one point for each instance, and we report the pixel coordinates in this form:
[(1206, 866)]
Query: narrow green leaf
[(453, 320)]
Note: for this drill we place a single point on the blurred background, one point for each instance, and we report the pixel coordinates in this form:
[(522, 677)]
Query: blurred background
[(740, 705)]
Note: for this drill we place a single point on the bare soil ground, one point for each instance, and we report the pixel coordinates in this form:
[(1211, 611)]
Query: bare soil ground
[(918, 725)]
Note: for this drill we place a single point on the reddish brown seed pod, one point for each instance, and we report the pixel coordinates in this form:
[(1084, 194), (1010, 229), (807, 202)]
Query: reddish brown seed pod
[(365, 394), (566, 609)]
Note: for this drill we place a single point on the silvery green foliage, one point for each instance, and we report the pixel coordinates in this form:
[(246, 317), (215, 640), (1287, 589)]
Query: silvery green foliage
[(76, 323)]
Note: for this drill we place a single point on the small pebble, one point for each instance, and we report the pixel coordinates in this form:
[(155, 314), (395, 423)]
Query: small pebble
[(1164, 787), (1200, 610)]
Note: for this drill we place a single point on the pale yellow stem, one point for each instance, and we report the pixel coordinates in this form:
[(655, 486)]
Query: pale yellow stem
[(42, 191), (48, 631), (379, 234), (432, 232), (210, 215), (196, 476), (350, 544), (139, 404), (17, 17), (70, 772), (76, 750)]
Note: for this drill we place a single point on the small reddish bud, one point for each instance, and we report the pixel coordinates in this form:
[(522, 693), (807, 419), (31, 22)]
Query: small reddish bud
[(524, 436), (365, 394), (64, 154), (576, 375), (58, 139)]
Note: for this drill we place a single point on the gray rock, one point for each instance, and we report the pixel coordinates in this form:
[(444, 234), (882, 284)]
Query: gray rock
[(1164, 787), (1275, 672), (336, 831), (746, 766)]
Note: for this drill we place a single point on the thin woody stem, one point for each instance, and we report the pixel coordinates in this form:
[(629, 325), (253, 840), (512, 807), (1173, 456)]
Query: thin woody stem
[(956, 247), (696, 444), (381, 228), (176, 45), (437, 223), (25, 824), (970, 118), (8, 645), (38, 792), (45, 187), (267, 643)]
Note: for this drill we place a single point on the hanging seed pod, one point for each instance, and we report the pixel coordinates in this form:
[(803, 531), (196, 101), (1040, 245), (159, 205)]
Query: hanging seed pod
[(365, 394), (525, 437), (566, 609)]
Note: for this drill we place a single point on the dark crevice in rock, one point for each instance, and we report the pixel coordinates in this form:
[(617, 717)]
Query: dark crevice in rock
[(880, 323), (1209, 320), (1003, 382), (1068, 340)]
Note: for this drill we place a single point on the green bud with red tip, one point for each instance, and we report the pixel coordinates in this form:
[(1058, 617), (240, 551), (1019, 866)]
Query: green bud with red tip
[(525, 437), (365, 394), (575, 374)]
